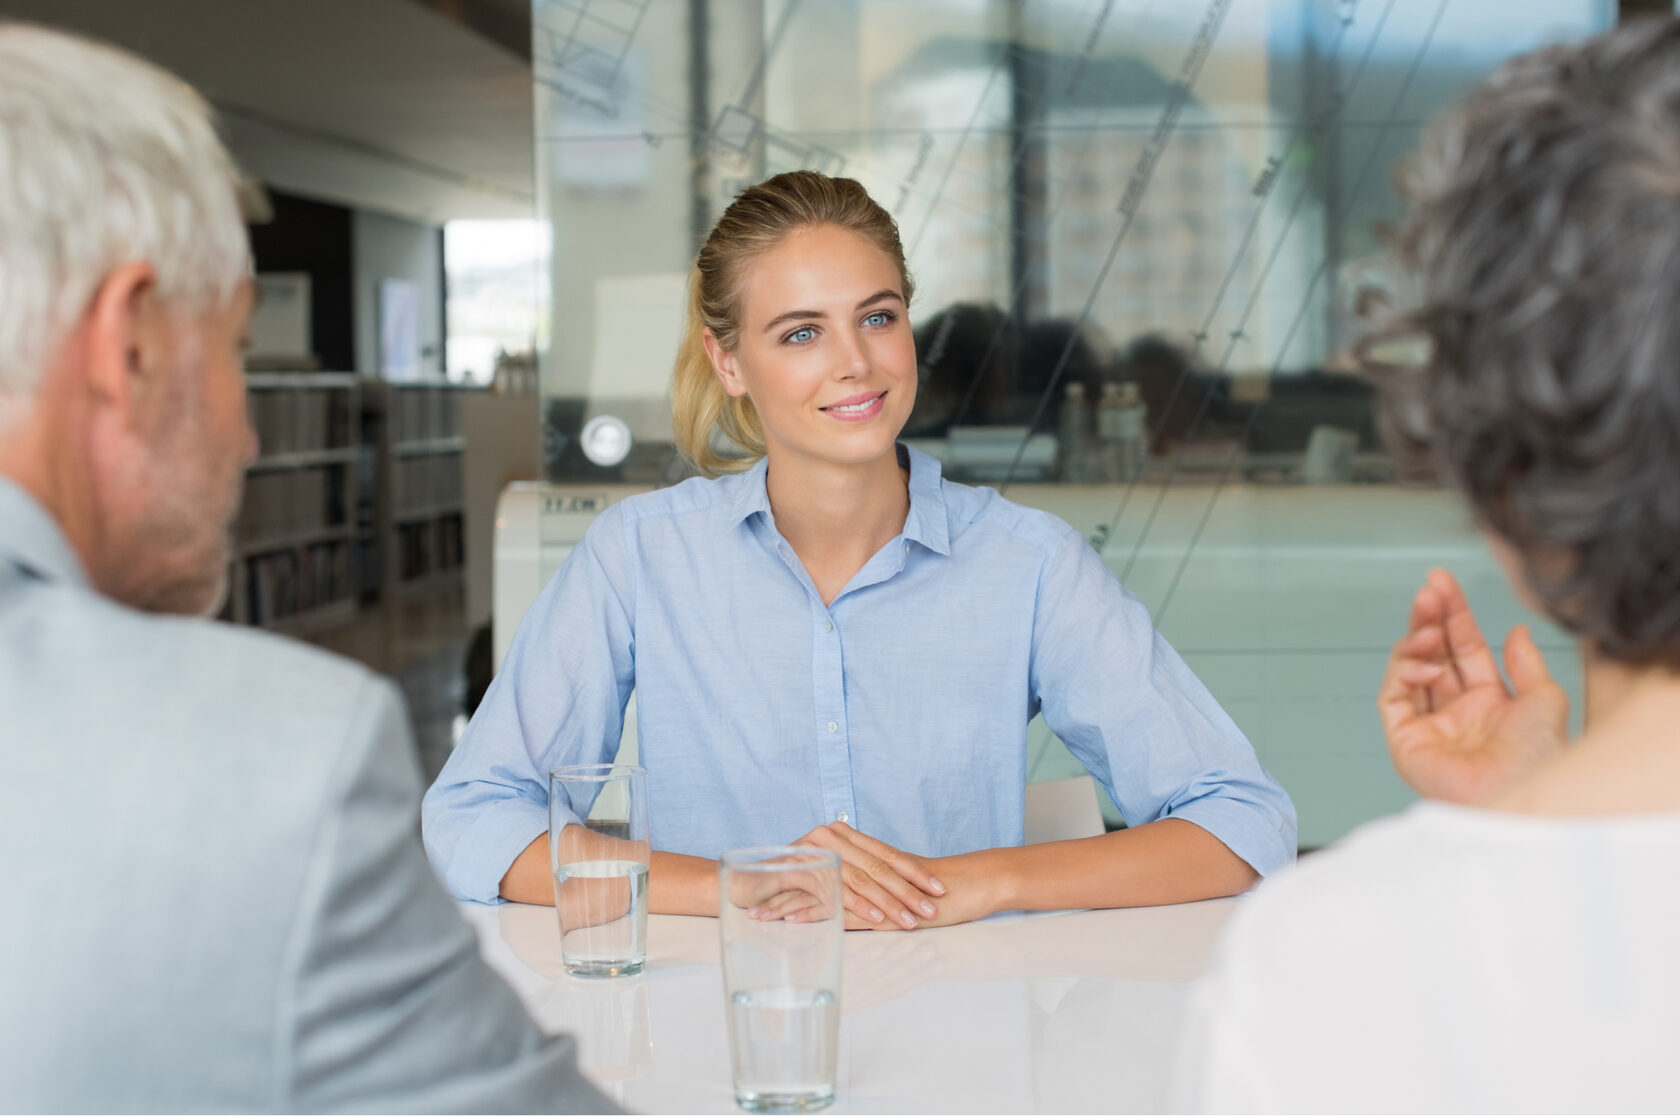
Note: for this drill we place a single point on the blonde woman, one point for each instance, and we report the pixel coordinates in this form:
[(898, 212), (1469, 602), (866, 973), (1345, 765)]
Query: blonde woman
[(830, 644)]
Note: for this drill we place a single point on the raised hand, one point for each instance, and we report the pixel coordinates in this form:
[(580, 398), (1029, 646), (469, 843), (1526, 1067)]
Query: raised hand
[(1455, 730)]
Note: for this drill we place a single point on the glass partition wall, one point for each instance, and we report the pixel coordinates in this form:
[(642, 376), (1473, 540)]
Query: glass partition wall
[(1140, 232)]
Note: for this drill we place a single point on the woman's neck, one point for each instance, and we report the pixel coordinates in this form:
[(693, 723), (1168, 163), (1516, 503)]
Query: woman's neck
[(836, 517), (1627, 760), (1607, 685)]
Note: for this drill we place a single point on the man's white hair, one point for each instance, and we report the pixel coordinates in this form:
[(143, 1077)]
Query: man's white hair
[(105, 159)]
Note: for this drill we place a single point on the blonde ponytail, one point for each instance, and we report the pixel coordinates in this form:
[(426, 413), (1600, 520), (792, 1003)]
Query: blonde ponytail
[(699, 405)]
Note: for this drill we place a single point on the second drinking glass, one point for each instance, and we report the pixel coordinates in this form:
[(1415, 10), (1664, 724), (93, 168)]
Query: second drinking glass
[(781, 921)]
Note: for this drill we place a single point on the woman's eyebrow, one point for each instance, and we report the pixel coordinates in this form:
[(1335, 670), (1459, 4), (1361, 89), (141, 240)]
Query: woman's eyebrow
[(793, 316), (817, 315)]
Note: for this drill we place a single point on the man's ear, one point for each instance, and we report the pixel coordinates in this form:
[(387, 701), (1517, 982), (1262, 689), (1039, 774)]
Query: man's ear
[(723, 363), (126, 337)]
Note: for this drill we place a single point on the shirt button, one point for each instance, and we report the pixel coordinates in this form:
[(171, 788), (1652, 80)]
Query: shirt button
[(841, 816), (833, 727), (906, 548), (828, 627)]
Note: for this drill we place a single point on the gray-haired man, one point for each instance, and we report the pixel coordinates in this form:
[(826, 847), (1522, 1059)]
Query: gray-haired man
[(215, 893)]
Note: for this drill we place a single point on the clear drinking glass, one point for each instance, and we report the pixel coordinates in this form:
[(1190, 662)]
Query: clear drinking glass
[(781, 921), (598, 848)]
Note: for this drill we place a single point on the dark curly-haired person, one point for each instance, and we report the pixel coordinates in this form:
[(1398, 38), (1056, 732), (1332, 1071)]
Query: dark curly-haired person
[(1508, 944)]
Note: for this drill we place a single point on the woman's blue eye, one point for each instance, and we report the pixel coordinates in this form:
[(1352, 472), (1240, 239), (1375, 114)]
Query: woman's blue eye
[(879, 318), (801, 335)]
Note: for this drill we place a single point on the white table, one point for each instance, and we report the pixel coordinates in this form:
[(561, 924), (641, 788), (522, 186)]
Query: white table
[(1066, 1012)]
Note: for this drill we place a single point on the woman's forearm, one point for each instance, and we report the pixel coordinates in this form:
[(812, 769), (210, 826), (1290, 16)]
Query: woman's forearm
[(1167, 861), (677, 884), (529, 878)]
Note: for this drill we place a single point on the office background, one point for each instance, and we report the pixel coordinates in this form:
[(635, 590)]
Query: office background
[(1142, 234)]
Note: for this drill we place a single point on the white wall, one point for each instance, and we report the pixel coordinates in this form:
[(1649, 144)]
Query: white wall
[(385, 247)]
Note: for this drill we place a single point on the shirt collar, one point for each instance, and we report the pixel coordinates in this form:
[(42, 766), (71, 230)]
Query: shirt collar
[(751, 493), (32, 540), (928, 522)]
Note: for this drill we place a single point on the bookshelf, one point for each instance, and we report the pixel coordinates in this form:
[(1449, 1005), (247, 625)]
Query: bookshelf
[(422, 534), (295, 548)]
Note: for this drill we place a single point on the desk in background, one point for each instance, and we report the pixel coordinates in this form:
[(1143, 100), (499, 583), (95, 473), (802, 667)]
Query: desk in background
[(1067, 1012)]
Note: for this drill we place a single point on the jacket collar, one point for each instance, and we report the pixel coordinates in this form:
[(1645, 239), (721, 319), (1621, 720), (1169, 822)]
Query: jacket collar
[(31, 540)]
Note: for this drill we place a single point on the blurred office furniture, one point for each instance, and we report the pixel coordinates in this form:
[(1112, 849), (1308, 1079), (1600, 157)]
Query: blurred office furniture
[(295, 540), (421, 522), (502, 429), (1329, 455), (537, 525), (279, 332)]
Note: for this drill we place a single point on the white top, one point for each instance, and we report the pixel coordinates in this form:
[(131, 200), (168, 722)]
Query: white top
[(1451, 959)]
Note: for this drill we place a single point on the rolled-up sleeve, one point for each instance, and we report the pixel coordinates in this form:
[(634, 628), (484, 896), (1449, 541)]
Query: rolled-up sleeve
[(1132, 712), (559, 698)]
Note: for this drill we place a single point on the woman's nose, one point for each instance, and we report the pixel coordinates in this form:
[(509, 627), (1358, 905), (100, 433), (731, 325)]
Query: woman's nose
[(854, 359)]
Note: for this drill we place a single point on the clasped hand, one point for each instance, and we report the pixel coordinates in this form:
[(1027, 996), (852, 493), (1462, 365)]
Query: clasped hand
[(881, 887)]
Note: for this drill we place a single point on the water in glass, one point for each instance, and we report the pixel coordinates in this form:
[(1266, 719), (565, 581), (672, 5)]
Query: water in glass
[(784, 1041), (602, 907)]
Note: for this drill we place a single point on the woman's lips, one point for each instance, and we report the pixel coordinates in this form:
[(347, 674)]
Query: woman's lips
[(856, 408)]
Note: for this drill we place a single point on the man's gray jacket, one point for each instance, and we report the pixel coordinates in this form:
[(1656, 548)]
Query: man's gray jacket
[(214, 892)]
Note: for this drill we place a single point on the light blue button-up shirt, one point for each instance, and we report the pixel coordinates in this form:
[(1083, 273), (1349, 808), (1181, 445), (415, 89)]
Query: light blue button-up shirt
[(902, 707)]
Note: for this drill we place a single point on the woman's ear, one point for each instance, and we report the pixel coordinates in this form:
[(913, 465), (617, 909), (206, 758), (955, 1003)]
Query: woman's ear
[(724, 364)]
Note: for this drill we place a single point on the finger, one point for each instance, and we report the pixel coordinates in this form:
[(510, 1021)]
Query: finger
[(815, 900), (768, 903), (1428, 609), (1427, 648), (871, 877), (1398, 701), (1416, 678), (863, 907), (1531, 678), (863, 871), (1428, 643), (1467, 648), (1525, 663), (868, 907), (748, 892), (1420, 675), (782, 904), (868, 889), (908, 867), (1429, 626), (803, 907)]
